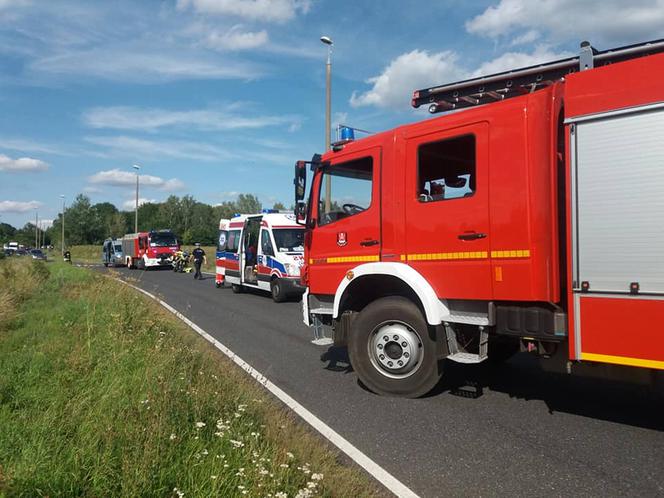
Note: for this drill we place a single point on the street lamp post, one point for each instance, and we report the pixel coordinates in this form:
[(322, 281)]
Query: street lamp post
[(136, 167), (63, 224), (328, 109), (36, 228)]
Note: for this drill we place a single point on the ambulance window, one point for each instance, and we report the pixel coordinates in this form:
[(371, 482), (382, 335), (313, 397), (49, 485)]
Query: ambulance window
[(266, 243), (446, 169), (222, 242), (350, 190), (233, 241)]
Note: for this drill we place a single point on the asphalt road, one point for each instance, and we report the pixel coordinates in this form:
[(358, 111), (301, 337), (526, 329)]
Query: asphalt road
[(532, 433)]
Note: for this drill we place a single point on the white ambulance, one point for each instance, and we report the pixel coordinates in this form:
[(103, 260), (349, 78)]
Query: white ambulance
[(262, 251)]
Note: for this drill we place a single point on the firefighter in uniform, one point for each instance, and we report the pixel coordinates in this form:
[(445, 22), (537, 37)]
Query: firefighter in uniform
[(198, 255)]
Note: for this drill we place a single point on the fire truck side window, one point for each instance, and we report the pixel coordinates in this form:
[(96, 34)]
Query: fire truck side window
[(350, 192), (446, 169)]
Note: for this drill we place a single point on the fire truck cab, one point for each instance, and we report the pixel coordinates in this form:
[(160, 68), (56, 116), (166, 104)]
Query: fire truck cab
[(529, 221), (145, 250), (262, 251)]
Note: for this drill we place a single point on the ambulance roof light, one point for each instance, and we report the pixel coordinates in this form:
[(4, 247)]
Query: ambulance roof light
[(269, 211)]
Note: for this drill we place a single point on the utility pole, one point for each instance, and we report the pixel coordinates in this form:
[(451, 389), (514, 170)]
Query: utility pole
[(328, 110), (136, 167), (63, 225), (36, 229)]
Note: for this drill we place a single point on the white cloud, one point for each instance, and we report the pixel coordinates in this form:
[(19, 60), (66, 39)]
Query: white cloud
[(150, 119), (227, 196), (513, 60), (22, 164), (418, 69), (141, 65), (408, 72), (236, 39), (91, 190), (119, 178), (130, 204), (44, 224), (257, 10), (18, 206), (129, 147), (594, 20), (23, 145)]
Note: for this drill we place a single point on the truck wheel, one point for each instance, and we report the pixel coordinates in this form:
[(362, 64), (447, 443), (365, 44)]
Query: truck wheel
[(237, 288), (277, 290), (393, 350)]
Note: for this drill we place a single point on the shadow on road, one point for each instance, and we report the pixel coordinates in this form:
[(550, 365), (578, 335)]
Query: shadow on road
[(523, 378)]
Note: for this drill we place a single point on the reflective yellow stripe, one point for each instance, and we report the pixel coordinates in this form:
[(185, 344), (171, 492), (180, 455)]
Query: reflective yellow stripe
[(518, 253), (447, 255), (433, 256), (623, 360)]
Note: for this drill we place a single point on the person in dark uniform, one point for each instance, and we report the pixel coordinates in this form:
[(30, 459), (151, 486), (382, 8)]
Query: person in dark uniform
[(198, 255)]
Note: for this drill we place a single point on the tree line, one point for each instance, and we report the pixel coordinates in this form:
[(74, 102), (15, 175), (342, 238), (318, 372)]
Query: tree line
[(86, 223)]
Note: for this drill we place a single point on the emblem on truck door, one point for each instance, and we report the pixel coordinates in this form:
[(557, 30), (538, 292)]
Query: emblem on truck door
[(341, 239)]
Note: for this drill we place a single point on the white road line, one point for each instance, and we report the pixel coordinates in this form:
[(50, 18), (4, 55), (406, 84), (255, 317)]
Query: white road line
[(380, 474)]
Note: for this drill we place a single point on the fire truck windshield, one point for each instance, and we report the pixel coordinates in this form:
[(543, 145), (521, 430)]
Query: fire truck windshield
[(289, 239), (162, 239)]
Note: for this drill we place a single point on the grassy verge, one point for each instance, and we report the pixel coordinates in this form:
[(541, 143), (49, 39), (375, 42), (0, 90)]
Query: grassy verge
[(102, 393)]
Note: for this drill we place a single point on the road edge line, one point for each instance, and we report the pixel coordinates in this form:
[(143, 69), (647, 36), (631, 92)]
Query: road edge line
[(386, 479)]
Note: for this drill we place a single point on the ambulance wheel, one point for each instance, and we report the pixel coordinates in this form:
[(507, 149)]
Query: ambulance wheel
[(277, 290), (393, 350), (237, 288)]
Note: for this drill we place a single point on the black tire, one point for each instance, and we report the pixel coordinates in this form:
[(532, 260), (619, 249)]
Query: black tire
[(105, 265), (277, 290), (400, 314), (237, 288), (218, 285)]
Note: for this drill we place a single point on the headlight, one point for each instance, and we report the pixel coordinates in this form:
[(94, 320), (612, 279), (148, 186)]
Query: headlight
[(292, 269)]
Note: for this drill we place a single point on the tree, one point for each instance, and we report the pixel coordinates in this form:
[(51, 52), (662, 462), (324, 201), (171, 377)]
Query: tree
[(279, 206), (6, 232), (82, 222), (117, 225), (248, 204)]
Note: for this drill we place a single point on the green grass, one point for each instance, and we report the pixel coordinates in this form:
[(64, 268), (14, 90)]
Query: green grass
[(103, 393)]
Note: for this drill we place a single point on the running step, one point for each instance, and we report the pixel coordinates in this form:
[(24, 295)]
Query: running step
[(467, 358), (320, 338)]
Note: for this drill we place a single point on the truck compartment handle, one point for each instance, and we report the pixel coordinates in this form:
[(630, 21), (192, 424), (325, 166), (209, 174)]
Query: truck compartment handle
[(367, 243), (471, 236)]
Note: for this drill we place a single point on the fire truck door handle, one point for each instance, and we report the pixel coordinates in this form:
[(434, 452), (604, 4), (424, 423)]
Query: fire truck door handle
[(471, 236), (367, 243)]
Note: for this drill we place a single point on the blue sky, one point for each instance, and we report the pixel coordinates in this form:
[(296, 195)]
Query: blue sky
[(218, 97)]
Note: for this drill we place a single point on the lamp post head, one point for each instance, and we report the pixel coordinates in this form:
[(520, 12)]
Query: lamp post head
[(326, 40), (136, 167)]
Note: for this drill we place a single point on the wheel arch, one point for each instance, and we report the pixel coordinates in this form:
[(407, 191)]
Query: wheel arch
[(372, 281)]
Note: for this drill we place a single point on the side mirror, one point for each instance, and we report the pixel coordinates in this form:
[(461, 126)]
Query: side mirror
[(301, 212), (300, 181)]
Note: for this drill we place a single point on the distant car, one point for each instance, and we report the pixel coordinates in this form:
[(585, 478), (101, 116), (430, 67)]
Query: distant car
[(9, 252), (38, 254), (20, 252), (111, 254)]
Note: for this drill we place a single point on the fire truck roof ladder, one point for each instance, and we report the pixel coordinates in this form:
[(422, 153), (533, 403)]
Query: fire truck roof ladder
[(501, 86)]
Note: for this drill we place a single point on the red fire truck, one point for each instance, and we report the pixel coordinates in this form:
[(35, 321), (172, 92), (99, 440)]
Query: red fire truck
[(531, 220), (146, 250)]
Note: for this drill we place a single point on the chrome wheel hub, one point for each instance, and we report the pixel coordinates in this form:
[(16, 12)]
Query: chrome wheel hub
[(395, 349)]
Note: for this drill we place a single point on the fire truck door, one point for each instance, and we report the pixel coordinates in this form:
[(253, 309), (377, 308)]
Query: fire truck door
[(347, 230), (447, 211)]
